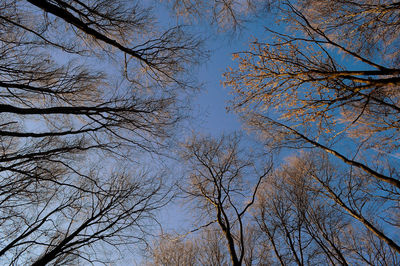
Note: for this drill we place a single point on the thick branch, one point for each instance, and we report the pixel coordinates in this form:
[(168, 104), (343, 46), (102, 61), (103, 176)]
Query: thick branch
[(348, 161), (70, 18)]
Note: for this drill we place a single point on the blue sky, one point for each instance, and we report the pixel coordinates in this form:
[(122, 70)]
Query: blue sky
[(209, 106)]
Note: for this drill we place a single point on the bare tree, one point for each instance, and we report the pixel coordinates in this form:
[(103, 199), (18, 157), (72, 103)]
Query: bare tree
[(297, 214), (226, 15), (62, 220), (367, 27), (293, 214), (205, 248), (168, 250), (84, 85), (212, 248), (319, 87), (309, 86), (223, 184)]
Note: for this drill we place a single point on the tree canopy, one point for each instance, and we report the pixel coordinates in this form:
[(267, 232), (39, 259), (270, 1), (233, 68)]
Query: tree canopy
[(84, 82), (330, 83), (92, 96)]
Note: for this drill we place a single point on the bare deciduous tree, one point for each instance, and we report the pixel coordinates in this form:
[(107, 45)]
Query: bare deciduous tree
[(322, 86), (223, 184), (205, 248), (168, 250), (227, 15), (83, 82), (297, 213)]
